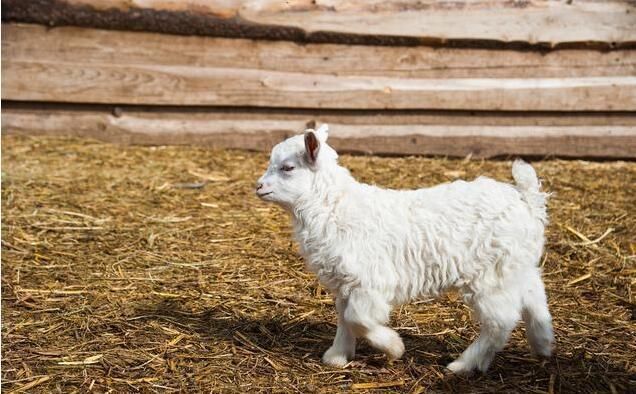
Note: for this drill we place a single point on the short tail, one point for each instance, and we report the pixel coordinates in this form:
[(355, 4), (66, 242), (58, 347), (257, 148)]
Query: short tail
[(530, 188)]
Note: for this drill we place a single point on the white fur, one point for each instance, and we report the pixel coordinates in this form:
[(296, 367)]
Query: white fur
[(375, 248)]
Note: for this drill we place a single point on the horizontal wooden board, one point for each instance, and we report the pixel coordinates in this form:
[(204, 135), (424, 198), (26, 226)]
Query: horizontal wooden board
[(481, 135), (93, 66), (547, 22), (26, 42)]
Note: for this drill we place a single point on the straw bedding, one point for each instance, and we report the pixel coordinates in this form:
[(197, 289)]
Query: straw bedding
[(156, 269)]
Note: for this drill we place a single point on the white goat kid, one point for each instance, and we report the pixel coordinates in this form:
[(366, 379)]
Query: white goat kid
[(375, 248)]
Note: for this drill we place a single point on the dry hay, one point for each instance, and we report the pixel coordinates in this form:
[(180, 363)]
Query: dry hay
[(156, 269)]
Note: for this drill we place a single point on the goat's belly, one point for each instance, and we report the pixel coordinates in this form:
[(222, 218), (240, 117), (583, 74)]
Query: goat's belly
[(426, 278)]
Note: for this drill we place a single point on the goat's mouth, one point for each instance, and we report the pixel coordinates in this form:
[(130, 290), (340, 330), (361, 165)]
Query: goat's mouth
[(261, 195)]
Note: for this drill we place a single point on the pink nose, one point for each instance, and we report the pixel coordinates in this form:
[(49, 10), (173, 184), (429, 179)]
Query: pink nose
[(259, 186)]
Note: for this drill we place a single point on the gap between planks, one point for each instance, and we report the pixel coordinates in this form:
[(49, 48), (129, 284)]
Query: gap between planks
[(446, 134)]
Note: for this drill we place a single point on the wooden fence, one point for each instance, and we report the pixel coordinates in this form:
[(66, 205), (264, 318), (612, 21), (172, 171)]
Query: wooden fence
[(486, 78)]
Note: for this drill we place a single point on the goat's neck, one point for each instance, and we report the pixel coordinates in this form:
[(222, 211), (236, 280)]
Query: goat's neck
[(316, 209)]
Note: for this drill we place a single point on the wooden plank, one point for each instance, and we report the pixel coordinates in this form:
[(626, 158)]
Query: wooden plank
[(25, 42), (548, 22), (482, 135), (91, 66)]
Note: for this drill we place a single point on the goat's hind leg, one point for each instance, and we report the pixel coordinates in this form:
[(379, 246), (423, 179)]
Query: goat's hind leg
[(367, 313), (537, 316), (498, 313)]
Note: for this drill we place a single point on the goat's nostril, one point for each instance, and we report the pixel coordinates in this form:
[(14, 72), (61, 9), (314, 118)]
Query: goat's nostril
[(259, 186)]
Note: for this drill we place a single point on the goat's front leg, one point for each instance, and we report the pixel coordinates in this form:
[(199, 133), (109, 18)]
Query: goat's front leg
[(344, 344), (367, 314)]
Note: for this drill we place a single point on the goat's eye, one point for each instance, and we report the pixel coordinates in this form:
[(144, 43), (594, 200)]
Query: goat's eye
[(287, 168)]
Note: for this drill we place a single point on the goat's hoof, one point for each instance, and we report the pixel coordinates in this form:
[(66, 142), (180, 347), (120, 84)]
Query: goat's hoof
[(543, 350), (395, 350), (335, 358), (459, 368)]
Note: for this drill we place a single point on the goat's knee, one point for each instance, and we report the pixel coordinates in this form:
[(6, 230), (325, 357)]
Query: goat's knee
[(387, 341)]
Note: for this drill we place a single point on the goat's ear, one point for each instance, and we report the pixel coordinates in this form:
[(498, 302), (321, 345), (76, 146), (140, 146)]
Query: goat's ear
[(312, 147), (322, 132)]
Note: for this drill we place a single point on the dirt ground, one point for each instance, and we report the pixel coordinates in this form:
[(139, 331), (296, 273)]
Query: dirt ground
[(156, 269)]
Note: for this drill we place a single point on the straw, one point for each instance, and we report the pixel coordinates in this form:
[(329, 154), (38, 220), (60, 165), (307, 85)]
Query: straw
[(117, 277)]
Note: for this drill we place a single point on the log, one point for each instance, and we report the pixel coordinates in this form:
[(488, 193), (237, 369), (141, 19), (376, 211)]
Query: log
[(482, 135), (548, 23), (97, 66)]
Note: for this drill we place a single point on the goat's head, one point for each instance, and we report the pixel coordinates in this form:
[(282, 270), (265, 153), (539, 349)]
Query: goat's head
[(294, 165)]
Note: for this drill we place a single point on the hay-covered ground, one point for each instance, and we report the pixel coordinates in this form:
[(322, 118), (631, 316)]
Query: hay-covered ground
[(157, 269)]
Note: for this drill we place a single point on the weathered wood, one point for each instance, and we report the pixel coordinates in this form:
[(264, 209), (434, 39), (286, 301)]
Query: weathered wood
[(93, 66), (546, 22), (25, 42), (481, 135)]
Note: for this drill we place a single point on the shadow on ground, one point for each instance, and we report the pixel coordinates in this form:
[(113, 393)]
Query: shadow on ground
[(292, 341)]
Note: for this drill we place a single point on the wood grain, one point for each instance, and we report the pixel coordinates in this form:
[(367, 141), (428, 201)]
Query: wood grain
[(26, 42), (89, 66), (548, 22), (483, 135)]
